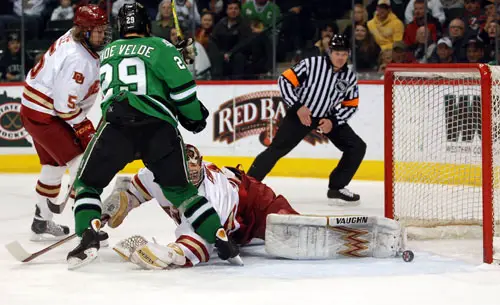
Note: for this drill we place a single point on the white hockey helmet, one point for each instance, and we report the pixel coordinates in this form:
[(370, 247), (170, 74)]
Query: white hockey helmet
[(194, 161)]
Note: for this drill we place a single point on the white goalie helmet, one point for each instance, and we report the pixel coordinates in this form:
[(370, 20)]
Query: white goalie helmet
[(194, 161)]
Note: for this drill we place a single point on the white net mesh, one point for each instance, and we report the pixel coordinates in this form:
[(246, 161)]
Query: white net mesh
[(437, 154)]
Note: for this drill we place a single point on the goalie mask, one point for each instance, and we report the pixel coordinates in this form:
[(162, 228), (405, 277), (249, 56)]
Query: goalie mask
[(194, 161)]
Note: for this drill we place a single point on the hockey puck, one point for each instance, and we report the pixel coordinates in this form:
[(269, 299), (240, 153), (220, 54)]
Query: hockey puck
[(408, 256)]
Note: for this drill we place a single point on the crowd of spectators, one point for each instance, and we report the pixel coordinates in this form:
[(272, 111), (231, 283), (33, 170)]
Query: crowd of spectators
[(250, 39)]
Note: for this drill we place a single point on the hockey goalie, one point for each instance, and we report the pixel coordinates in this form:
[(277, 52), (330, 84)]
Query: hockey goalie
[(249, 210)]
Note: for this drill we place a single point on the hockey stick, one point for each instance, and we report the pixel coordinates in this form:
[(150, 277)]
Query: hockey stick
[(176, 21), (59, 208), (19, 253)]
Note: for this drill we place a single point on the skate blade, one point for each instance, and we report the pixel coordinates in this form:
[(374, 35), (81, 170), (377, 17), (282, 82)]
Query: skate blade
[(343, 203), (76, 263), (46, 237), (236, 260), (104, 243)]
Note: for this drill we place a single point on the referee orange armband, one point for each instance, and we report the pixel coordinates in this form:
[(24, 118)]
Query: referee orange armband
[(351, 103), (290, 75)]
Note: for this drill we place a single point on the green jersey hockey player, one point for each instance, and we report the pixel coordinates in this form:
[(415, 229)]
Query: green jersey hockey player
[(147, 89)]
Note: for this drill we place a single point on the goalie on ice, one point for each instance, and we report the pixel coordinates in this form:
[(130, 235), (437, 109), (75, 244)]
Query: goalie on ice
[(249, 209)]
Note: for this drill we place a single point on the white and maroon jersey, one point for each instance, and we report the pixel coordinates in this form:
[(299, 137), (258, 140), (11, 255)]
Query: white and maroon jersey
[(221, 192), (64, 83)]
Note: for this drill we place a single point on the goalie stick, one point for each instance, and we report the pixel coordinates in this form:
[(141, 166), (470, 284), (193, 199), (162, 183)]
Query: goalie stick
[(19, 253)]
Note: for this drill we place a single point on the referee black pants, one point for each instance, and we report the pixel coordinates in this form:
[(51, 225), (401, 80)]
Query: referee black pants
[(292, 131)]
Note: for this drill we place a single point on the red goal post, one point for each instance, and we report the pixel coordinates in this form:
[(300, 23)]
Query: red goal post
[(441, 149)]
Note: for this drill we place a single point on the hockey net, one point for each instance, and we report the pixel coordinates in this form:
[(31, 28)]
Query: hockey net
[(442, 151)]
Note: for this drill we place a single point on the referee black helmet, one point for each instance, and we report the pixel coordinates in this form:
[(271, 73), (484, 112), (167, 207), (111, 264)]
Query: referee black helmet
[(340, 42)]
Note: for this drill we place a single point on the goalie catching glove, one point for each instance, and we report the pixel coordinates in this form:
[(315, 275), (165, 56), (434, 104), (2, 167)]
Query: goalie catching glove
[(150, 255)]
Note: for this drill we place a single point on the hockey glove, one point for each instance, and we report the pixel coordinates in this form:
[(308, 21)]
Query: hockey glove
[(84, 131), (187, 49), (193, 125)]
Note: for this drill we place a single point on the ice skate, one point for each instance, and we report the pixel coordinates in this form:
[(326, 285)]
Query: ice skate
[(227, 249), (86, 251), (343, 197), (47, 230)]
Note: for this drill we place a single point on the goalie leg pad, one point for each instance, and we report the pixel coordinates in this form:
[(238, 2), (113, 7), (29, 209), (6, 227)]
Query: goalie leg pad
[(153, 256), (327, 237), (119, 203)]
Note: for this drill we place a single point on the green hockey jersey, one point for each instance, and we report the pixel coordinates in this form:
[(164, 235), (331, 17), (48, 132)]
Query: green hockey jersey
[(264, 13), (150, 73)]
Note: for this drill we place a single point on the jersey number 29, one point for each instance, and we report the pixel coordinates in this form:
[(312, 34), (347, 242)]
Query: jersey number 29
[(130, 73)]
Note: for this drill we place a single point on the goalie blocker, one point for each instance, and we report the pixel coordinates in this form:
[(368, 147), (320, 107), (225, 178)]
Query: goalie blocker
[(329, 237)]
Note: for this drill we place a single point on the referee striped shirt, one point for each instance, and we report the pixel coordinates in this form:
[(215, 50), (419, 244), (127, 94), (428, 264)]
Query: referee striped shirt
[(313, 82)]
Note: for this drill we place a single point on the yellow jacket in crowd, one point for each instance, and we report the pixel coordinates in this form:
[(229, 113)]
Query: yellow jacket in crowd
[(386, 32)]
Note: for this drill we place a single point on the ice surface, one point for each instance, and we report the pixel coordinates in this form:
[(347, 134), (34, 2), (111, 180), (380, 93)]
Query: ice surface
[(443, 272)]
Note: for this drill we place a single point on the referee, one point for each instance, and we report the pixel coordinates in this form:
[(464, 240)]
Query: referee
[(321, 93)]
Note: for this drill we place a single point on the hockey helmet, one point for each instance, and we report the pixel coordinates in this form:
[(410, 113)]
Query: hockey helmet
[(339, 42), (133, 18), (88, 17), (194, 161)]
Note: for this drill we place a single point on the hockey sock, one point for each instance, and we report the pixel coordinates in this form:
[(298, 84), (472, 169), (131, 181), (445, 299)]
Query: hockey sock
[(87, 206), (197, 210), (48, 187)]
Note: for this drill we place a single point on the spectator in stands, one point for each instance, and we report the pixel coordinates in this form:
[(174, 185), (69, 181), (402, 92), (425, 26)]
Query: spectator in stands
[(227, 33), (366, 49), (326, 30), (444, 52), (424, 46), (117, 5), (360, 16), (33, 18), (385, 57), (475, 51), (296, 29), (434, 6), (401, 54), (385, 26), (11, 62), (265, 11), (474, 17), (202, 34), (452, 9), (456, 33), (488, 37), (216, 7), (164, 20), (188, 15), (490, 13), (259, 53), (63, 12), (418, 21)]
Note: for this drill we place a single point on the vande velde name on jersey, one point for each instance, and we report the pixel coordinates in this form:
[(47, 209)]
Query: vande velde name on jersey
[(349, 220), (127, 50)]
